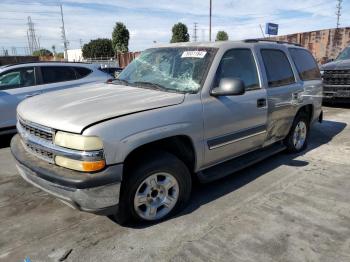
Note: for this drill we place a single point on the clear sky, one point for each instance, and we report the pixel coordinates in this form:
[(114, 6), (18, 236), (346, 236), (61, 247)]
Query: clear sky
[(151, 20)]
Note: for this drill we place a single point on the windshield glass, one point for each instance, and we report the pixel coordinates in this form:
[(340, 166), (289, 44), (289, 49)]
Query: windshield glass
[(171, 69), (345, 54)]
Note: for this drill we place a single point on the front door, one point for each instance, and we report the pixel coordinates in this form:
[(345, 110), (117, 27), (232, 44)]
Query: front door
[(235, 125)]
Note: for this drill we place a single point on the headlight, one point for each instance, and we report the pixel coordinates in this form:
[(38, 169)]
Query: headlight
[(78, 142), (322, 72)]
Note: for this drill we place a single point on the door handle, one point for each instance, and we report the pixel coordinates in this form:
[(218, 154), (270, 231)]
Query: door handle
[(261, 103), (31, 95)]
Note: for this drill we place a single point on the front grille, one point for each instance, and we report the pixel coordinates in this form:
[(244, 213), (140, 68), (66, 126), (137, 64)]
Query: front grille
[(336, 77), (43, 154), (36, 131)]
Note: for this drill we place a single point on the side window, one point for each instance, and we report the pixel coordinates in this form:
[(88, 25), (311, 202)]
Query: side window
[(54, 74), (239, 63), (82, 72), (17, 78), (278, 69), (305, 64)]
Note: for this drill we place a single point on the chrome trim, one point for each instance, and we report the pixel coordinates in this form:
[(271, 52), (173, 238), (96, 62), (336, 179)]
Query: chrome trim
[(57, 150), (37, 126), (236, 140)]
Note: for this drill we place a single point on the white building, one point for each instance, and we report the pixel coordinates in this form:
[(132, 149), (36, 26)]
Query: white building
[(74, 55)]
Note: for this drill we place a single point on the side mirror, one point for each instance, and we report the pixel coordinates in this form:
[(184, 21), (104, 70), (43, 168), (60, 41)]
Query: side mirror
[(229, 87)]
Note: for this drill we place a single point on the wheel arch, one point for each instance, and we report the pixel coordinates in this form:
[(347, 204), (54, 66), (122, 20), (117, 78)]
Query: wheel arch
[(181, 146)]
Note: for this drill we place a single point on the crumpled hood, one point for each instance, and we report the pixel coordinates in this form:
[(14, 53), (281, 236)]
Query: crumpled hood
[(336, 65), (73, 109)]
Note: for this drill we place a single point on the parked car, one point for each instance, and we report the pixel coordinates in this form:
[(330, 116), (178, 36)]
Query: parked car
[(336, 78), (176, 112), (20, 81)]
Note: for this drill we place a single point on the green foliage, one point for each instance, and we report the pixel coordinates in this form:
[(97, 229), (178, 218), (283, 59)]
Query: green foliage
[(120, 38), (221, 36), (101, 47), (42, 52), (60, 55), (180, 33)]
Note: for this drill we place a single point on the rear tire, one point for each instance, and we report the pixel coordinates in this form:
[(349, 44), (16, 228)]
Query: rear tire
[(297, 139), (156, 188)]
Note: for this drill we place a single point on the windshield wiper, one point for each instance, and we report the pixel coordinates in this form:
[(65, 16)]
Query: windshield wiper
[(153, 86)]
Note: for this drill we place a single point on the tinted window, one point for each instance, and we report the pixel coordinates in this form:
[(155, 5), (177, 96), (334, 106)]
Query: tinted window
[(54, 74), (239, 63), (82, 71), (305, 64), (278, 69), (15, 78)]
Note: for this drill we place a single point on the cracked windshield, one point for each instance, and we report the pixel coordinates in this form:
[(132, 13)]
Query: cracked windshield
[(169, 69)]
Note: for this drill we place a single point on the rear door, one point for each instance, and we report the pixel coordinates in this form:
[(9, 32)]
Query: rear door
[(235, 125), (15, 86), (283, 92)]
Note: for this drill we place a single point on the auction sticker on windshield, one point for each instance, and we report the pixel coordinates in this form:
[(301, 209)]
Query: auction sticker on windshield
[(194, 54)]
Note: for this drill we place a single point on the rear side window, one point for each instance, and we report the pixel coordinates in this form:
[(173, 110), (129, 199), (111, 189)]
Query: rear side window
[(239, 63), (82, 71), (305, 64), (54, 74), (278, 69)]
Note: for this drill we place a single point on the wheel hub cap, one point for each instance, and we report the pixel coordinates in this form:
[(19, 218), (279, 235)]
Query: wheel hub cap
[(299, 135), (156, 196)]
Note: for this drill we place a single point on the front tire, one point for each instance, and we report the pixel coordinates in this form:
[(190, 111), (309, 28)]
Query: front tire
[(297, 139), (158, 187)]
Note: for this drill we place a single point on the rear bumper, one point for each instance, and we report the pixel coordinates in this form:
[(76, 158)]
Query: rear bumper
[(95, 192)]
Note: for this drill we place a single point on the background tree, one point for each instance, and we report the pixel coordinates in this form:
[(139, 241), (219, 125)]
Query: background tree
[(42, 52), (101, 47), (180, 33), (120, 38), (53, 49), (221, 36)]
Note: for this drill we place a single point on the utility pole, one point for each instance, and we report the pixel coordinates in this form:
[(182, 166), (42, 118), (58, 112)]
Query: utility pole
[(195, 38), (32, 41), (63, 35), (338, 13), (210, 20)]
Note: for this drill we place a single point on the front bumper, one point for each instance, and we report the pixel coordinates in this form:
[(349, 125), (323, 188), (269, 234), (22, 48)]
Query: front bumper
[(338, 92), (91, 192)]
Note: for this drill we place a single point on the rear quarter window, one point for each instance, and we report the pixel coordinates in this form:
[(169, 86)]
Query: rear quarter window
[(278, 69), (82, 71), (305, 64)]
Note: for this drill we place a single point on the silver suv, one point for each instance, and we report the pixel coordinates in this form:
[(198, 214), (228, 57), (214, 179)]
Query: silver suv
[(178, 111), (20, 81)]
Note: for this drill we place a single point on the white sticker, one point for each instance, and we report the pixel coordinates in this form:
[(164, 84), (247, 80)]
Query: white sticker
[(194, 54)]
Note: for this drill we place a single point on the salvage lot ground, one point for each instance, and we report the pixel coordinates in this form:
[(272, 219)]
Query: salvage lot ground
[(288, 208)]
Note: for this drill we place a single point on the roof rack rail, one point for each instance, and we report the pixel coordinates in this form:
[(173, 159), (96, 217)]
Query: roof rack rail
[(43, 62), (256, 40)]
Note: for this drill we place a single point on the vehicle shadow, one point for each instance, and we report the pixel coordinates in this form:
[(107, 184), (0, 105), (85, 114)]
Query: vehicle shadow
[(205, 193), (5, 140)]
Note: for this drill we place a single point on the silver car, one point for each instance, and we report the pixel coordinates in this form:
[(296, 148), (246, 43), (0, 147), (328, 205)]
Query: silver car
[(20, 81), (176, 112)]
